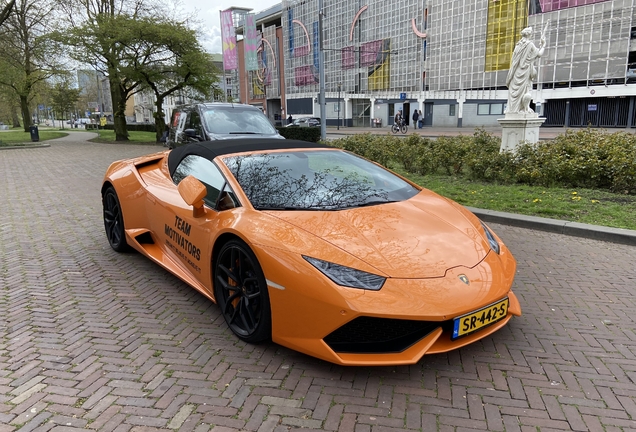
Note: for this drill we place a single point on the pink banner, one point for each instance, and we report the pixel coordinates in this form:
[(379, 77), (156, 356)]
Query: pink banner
[(369, 53), (228, 37), (348, 59), (304, 75), (301, 51)]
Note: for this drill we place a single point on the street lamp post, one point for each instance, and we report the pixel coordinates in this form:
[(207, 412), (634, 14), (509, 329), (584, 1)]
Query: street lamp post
[(339, 88)]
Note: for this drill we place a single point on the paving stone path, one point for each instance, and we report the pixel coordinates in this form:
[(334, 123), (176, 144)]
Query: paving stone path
[(99, 341)]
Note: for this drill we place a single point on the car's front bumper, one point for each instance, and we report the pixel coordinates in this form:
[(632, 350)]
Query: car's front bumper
[(307, 308)]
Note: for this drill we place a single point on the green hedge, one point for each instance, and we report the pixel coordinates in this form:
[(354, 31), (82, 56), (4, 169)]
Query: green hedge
[(589, 158), (311, 134), (137, 127)]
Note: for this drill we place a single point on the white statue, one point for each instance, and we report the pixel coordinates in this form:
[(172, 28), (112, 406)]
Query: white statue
[(522, 72)]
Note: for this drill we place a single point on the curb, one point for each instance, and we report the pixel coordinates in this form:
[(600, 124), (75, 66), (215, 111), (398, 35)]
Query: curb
[(24, 146), (576, 229)]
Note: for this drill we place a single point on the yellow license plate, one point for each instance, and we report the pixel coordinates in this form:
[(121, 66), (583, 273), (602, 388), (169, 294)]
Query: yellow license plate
[(479, 319)]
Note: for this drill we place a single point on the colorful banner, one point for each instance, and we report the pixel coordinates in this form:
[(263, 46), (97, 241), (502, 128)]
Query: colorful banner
[(228, 37), (267, 76), (539, 6), (348, 57), (305, 75), (379, 71), (250, 43), (290, 30), (506, 19), (369, 52)]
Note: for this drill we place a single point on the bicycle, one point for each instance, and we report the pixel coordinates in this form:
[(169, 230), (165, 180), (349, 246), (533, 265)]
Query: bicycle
[(402, 127)]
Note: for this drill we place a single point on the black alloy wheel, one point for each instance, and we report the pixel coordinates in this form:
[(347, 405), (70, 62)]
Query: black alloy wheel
[(240, 290), (114, 221)]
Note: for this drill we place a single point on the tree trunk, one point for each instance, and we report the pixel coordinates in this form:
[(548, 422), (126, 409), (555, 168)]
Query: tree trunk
[(15, 119), (160, 123), (26, 114), (119, 108)]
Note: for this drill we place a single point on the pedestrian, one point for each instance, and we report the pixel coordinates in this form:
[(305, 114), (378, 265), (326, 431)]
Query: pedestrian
[(416, 116), (290, 119), (420, 122)]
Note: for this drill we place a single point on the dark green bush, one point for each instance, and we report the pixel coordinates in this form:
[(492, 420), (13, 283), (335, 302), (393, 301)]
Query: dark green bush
[(588, 158), (379, 148), (451, 152), (311, 134), (137, 127)]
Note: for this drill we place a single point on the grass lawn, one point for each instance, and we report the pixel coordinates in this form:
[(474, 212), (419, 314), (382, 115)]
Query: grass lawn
[(590, 206), (19, 137), (136, 137)]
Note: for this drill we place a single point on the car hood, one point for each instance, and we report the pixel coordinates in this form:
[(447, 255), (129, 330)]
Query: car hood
[(421, 237)]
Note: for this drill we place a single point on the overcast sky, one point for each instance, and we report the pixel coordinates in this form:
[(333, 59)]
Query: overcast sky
[(208, 13)]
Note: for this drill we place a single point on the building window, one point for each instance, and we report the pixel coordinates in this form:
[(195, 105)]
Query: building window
[(490, 109), (228, 81), (451, 110)]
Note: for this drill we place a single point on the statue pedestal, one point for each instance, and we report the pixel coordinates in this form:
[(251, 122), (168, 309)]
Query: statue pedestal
[(519, 127)]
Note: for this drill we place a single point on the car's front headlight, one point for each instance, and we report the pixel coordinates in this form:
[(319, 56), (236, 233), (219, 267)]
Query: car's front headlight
[(347, 276), (494, 244)]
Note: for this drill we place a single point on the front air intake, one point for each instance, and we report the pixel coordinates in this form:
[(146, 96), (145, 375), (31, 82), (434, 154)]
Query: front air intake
[(368, 335)]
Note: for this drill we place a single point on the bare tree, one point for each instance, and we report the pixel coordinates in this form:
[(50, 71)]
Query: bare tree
[(6, 11)]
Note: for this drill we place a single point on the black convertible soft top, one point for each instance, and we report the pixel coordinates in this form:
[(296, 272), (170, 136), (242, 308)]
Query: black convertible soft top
[(212, 149)]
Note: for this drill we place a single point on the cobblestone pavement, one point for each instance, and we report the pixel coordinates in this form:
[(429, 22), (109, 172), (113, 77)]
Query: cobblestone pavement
[(100, 341)]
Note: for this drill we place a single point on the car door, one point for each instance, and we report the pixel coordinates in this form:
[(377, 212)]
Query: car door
[(188, 239)]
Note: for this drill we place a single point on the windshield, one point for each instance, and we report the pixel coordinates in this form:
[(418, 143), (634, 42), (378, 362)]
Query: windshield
[(237, 120), (315, 180)]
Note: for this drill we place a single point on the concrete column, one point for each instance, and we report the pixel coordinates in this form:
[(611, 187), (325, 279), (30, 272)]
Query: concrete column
[(460, 109), (372, 114)]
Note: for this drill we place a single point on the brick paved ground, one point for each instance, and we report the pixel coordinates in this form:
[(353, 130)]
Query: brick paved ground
[(94, 340)]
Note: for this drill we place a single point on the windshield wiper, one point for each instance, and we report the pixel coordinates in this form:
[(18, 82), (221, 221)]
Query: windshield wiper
[(243, 133), (372, 203), (281, 208)]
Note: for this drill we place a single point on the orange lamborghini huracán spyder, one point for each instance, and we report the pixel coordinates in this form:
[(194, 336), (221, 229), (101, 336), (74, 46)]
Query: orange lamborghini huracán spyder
[(316, 248)]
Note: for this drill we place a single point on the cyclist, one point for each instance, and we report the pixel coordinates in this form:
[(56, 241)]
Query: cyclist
[(398, 120)]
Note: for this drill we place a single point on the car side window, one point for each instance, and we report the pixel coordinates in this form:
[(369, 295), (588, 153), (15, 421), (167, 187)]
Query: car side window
[(195, 123), (208, 174)]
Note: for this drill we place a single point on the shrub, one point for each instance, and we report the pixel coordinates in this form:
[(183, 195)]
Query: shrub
[(586, 158), (378, 148), (137, 127), (451, 152), (415, 154), (311, 134)]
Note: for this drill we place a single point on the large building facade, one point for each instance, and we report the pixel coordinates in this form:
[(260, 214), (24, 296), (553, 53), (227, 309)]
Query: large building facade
[(450, 59)]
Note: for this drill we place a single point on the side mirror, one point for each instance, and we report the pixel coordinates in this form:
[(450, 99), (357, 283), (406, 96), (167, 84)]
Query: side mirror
[(193, 191), (192, 134)]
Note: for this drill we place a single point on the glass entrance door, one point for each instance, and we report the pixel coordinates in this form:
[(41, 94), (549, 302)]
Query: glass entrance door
[(361, 110)]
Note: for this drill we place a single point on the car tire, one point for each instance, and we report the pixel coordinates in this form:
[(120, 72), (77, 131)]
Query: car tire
[(241, 292), (114, 221)]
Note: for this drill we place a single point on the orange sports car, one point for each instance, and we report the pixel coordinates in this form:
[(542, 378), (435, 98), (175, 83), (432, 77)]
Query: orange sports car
[(315, 248)]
